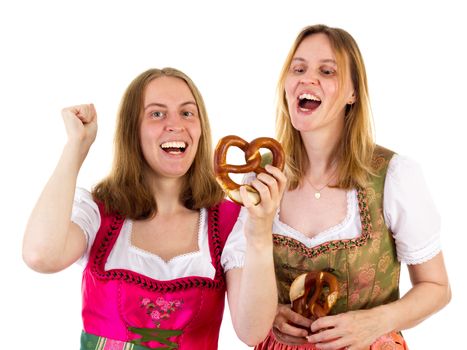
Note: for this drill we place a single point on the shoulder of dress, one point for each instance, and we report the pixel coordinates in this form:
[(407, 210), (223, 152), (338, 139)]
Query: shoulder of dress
[(379, 165), (223, 216), (380, 160), (383, 152)]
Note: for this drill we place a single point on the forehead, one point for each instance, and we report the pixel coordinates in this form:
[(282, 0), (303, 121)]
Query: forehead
[(168, 89), (315, 47)]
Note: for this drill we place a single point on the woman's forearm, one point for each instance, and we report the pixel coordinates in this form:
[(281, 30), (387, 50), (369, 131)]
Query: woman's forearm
[(422, 301), (256, 303), (430, 292), (255, 298), (45, 237)]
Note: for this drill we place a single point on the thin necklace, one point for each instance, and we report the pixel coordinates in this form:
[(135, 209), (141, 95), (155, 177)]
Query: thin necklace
[(318, 190)]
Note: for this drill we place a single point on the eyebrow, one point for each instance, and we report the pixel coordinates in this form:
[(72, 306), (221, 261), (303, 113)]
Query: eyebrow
[(156, 104), (327, 60)]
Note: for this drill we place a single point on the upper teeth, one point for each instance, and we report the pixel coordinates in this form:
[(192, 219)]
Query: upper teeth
[(309, 97), (173, 144)]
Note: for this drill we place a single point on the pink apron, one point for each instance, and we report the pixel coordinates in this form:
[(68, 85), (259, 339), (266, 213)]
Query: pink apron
[(183, 313)]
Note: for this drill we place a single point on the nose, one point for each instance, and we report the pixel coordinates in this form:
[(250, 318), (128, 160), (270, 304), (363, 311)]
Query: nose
[(174, 124), (309, 78), (174, 128)]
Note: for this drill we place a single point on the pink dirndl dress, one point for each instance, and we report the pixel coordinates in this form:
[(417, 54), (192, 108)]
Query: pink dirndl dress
[(127, 308)]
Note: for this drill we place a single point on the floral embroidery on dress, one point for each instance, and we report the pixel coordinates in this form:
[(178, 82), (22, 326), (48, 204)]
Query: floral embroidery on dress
[(384, 263), (160, 309), (365, 276), (378, 163)]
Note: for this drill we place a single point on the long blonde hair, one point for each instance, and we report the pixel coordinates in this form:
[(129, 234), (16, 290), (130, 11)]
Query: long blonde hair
[(356, 147), (125, 190)]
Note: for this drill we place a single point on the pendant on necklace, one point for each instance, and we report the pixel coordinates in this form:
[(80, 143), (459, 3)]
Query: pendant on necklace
[(317, 195)]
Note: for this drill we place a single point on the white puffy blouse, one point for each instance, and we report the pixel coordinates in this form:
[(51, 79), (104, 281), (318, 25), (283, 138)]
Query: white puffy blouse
[(409, 212), (125, 255)]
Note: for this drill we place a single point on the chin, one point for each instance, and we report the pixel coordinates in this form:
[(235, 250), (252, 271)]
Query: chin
[(177, 173), (302, 126)]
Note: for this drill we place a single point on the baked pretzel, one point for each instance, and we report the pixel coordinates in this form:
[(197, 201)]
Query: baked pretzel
[(321, 300), (253, 163)]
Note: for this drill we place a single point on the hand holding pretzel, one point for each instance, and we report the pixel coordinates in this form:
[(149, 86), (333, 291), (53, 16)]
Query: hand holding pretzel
[(323, 288), (253, 163)]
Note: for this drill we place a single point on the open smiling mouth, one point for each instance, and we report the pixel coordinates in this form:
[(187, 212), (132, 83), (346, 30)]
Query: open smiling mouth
[(308, 102), (174, 147)]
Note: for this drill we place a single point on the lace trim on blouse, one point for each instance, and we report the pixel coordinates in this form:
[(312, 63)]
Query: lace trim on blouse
[(328, 234), (138, 250)]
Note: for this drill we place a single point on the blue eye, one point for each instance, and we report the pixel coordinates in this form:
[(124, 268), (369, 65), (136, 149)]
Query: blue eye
[(187, 114)]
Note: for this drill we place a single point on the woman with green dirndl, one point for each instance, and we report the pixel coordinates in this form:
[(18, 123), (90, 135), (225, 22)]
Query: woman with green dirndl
[(353, 212)]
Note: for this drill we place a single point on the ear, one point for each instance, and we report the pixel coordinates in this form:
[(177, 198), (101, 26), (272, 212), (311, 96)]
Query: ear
[(351, 100)]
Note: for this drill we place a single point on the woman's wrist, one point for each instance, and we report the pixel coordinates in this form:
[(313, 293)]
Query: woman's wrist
[(385, 316), (75, 152), (260, 240)]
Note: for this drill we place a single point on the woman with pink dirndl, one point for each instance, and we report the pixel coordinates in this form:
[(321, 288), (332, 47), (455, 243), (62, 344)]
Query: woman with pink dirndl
[(159, 243)]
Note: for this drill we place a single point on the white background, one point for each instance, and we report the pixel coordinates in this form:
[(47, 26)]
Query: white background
[(54, 54)]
